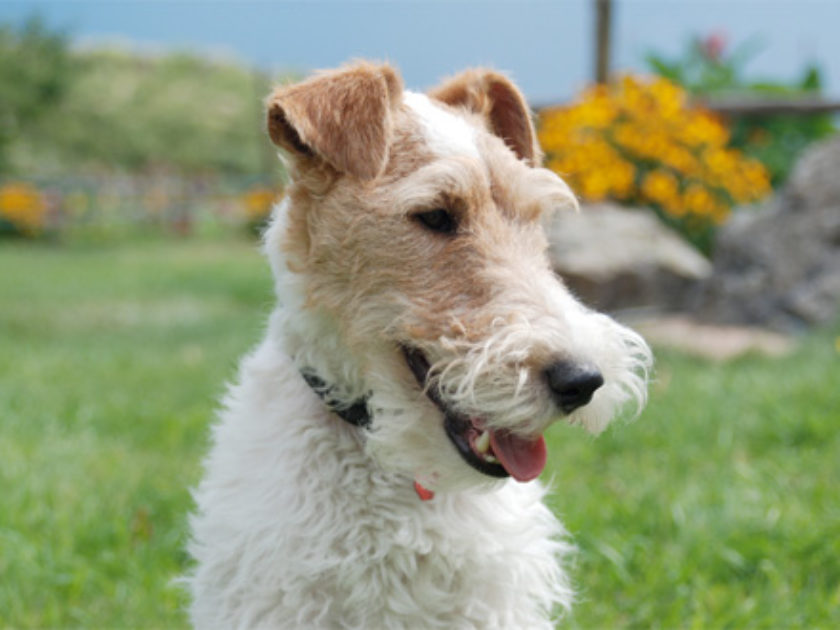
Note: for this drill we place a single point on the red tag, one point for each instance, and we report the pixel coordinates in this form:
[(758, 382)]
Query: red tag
[(422, 492)]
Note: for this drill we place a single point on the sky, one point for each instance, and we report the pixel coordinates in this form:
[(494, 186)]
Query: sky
[(546, 46)]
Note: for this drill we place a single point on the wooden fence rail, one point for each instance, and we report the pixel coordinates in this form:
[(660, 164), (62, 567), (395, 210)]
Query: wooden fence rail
[(769, 106), (754, 106)]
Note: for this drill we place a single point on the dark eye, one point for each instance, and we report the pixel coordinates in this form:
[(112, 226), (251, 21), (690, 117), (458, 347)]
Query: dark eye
[(438, 220)]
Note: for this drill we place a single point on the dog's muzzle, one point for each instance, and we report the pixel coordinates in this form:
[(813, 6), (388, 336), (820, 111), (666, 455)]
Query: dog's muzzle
[(493, 452)]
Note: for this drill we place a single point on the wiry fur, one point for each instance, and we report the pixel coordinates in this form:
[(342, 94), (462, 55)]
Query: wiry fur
[(305, 521)]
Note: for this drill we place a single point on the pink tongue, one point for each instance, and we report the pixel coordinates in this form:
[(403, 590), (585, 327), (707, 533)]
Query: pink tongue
[(523, 459)]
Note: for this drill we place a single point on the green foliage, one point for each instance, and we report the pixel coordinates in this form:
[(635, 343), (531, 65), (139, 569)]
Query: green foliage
[(706, 69), (718, 508), (175, 112), (36, 71), (104, 110)]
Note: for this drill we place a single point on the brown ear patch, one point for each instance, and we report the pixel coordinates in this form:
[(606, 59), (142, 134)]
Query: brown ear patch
[(342, 117), (283, 134), (494, 97)]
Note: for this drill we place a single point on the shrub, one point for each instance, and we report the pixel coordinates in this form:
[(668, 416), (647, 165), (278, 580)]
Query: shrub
[(638, 141), (71, 111), (709, 68), (36, 72)]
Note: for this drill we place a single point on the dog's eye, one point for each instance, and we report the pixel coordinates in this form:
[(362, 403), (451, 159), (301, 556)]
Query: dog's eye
[(438, 220)]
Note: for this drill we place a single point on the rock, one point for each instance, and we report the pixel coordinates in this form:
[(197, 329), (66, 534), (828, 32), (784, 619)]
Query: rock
[(815, 180), (616, 258), (711, 341), (778, 264)]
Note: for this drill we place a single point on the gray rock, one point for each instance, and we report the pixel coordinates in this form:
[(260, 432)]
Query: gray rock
[(617, 258), (815, 180), (778, 264)]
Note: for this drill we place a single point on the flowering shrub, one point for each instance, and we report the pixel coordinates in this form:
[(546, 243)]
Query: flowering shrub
[(125, 205), (22, 209), (637, 141), (710, 68)]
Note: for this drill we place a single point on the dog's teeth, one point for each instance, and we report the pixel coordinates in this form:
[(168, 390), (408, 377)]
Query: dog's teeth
[(483, 442), (490, 459)]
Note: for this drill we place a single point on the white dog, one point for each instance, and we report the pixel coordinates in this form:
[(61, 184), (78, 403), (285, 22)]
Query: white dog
[(374, 466)]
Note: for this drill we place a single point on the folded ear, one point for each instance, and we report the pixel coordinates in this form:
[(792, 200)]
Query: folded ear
[(343, 117), (499, 101)]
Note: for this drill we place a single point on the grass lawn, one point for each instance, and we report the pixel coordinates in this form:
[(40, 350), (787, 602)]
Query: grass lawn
[(719, 507)]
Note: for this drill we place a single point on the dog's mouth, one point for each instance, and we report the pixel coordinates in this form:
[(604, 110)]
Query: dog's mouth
[(493, 452)]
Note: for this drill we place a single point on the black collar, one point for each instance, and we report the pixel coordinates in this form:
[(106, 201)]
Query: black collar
[(356, 413)]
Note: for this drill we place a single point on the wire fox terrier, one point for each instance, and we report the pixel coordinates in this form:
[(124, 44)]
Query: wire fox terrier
[(375, 464)]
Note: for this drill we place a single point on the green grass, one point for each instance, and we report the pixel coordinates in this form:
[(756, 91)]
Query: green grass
[(718, 508), (111, 361)]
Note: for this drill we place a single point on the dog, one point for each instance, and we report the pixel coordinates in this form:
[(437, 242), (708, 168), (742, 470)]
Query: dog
[(375, 464)]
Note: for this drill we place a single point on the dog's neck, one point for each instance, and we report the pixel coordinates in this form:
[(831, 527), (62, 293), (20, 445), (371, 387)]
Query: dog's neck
[(310, 336)]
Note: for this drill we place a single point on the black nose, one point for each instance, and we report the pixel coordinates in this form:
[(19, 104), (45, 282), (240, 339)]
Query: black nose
[(572, 383)]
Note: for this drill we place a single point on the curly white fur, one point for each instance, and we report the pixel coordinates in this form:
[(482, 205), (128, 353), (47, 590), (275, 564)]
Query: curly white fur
[(297, 530)]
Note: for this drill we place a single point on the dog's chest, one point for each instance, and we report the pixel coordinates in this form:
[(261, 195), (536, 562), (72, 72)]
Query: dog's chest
[(432, 564)]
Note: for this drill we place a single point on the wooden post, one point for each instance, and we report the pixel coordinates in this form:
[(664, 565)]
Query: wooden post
[(603, 23)]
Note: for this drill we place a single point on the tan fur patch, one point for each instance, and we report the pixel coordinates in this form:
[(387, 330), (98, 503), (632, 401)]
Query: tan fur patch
[(361, 248), (495, 98), (343, 117)]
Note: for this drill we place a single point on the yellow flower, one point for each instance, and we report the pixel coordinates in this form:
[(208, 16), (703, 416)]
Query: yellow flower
[(23, 206), (661, 187), (595, 185), (622, 176), (638, 140), (699, 201), (680, 159), (257, 203), (670, 99), (699, 128)]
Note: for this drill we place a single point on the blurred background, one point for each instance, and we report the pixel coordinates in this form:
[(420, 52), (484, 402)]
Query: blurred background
[(701, 137)]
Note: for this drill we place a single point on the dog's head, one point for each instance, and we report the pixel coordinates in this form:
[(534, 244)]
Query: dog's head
[(411, 253)]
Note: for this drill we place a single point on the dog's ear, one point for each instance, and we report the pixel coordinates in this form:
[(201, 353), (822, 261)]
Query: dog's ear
[(343, 117), (499, 101)]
